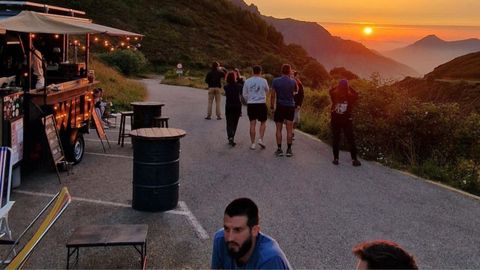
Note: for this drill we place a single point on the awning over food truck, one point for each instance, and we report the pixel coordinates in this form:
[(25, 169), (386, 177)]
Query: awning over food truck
[(34, 22)]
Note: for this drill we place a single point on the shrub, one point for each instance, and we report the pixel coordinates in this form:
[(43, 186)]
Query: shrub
[(316, 74), (129, 62), (342, 73)]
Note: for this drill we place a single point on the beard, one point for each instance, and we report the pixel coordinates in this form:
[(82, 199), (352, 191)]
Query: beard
[(244, 248)]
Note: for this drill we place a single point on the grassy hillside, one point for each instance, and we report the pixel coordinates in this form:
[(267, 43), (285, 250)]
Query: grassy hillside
[(466, 67), (192, 32), (466, 94), (117, 89)]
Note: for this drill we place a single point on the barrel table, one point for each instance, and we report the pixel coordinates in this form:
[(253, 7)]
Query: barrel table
[(144, 113), (156, 154)]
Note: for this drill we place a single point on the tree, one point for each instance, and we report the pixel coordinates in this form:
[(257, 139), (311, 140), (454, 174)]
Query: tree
[(272, 64), (343, 73), (315, 73)]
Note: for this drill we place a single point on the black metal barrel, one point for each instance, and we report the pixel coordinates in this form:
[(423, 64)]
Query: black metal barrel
[(156, 154), (144, 113)]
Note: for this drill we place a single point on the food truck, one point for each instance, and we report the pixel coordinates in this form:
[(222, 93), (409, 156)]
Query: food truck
[(60, 39)]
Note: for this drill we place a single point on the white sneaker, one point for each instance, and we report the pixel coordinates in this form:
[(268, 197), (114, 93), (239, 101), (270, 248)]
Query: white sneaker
[(261, 143), (252, 147)]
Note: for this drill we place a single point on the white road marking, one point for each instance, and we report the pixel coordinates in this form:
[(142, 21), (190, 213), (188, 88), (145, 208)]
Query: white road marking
[(201, 233), (108, 155), (184, 211)]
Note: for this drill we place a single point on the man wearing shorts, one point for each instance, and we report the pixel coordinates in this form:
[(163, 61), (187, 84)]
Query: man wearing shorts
[(255, 93), (283, 90)]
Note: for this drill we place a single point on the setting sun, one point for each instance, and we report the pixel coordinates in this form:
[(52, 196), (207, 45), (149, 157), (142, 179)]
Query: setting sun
[(368, 30)]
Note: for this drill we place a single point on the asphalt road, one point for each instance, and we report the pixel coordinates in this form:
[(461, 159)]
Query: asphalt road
[(315, 210)]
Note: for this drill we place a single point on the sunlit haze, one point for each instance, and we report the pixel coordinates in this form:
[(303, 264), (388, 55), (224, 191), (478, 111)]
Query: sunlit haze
[(394, 23)]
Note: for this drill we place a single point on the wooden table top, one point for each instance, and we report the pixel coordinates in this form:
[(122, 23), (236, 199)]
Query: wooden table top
[(108, 235), (147, 103), (158, 133)]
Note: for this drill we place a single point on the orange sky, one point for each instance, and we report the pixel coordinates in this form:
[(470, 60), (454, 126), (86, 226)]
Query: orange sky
[(395, 23)]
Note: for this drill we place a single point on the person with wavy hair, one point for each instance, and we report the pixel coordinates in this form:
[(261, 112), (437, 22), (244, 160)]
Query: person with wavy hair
[(383, 254), (233, 105)]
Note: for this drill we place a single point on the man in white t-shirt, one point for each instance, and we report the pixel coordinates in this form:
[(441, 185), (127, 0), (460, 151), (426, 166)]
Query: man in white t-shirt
[(255, 92), (37, 67)]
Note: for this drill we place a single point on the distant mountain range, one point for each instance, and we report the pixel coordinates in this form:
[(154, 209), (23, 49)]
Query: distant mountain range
[(334, 51), (431, 51), (466, 67)]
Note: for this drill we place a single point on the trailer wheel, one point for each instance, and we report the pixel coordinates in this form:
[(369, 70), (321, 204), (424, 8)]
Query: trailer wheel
[(77, 149)]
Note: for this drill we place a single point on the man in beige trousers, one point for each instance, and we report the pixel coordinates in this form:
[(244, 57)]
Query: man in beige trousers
[(214, 82)]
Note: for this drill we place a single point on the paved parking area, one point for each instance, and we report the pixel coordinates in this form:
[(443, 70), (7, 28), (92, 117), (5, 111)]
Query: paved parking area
[(101, 186)]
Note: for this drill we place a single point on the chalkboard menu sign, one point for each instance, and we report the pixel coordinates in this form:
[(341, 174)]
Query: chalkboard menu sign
[(98, 125), (16, 129), (53, 139)]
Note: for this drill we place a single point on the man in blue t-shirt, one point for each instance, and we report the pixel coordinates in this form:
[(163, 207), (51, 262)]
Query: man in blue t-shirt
[(283, 90), (240, 245)]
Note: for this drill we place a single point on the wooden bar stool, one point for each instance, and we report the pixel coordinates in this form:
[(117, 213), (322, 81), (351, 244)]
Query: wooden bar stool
[(160, 121), (121, 131)]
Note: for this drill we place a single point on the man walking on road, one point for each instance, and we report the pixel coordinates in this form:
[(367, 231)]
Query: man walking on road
[(343, 98), (240, 244), (283, 90), (255, 93), (213, 79)]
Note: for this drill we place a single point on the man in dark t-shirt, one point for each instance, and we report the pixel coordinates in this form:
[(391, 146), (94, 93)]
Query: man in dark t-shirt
[(214, 82), (283, 90), (343, 99)]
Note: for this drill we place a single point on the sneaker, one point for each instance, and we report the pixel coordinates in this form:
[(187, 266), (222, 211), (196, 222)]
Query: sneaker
[(219, 118), (279, 153), (233, 144), (252, 147), (230, 141), (335, 162), (261, 143), (208, 118), (356, 163), (289, 152)]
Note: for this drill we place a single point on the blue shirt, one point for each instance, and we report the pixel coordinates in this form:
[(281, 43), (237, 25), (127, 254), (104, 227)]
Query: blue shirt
[(266, 255), (284, 88)]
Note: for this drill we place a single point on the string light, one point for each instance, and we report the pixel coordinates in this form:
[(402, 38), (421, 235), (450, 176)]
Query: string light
[(57, 35), (32, 35)]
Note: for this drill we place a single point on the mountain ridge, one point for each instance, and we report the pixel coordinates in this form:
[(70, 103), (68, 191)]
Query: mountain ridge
[(465, 67), (333, 51), (431, 51)]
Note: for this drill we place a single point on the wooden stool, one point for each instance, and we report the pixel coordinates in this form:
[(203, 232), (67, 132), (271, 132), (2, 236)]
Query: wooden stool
[(160, 121), (121, 131)]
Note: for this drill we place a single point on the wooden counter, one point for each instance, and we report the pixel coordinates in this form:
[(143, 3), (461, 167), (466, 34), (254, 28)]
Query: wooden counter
[(67, 91)]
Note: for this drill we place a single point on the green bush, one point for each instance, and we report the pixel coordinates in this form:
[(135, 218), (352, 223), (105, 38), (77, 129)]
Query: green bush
[(129, 62)]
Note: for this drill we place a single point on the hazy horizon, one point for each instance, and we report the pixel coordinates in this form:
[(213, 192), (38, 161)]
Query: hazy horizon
[(388, 36), (394, 24)]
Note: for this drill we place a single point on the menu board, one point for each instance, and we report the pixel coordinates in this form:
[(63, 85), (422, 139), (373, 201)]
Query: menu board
[(12, 106), (53, 139), (98, 126), (16, 129)]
